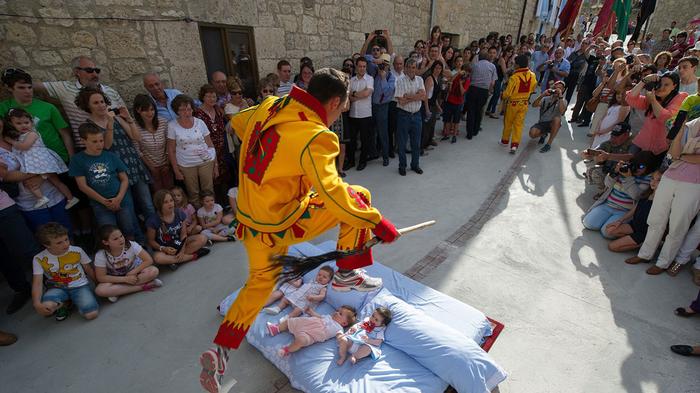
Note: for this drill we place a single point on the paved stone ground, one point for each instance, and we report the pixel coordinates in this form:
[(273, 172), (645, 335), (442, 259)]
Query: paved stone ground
[(508, 241)]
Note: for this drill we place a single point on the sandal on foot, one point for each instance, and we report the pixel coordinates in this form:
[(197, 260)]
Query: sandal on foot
[(683, 312), (674, 269), (635, 260), (684, 350), (655, 270)]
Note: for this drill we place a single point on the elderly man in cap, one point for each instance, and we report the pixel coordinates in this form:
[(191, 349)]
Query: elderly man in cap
[(603, 158), (384, 86)]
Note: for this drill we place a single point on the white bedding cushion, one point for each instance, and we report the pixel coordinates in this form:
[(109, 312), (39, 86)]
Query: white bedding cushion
[(448, 353)]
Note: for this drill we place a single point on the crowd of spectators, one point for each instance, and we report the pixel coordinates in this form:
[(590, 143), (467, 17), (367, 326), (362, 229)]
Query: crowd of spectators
[(155, 183)]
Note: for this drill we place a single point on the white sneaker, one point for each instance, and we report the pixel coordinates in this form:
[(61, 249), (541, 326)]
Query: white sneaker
[(113, 299), (41, 202), (272, 310), (513, 149), (356, 279), (72, 203)]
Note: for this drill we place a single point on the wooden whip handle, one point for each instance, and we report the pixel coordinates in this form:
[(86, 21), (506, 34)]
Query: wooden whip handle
[(375, 240)]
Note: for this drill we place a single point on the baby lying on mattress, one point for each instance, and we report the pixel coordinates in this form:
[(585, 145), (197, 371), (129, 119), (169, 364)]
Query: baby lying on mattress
[(364, 338), (314, 329)]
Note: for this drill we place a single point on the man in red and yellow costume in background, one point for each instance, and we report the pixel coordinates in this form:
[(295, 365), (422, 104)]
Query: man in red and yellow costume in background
[(289, 192), (516, 100)]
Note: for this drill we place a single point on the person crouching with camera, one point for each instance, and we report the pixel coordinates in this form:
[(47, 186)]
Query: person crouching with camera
[(552, 105), (603, 160), (622, 189)]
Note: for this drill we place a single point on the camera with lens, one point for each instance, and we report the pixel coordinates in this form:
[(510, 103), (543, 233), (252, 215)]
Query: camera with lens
[(382, 66), (630, 167), (649, 86)]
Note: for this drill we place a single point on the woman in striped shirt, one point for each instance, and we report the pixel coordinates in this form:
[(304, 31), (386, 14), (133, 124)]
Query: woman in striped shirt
[(152, 145), (623, 188)]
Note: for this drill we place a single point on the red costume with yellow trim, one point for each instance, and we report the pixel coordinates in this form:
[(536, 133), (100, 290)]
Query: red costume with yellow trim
[(516, 99), (286, 151)]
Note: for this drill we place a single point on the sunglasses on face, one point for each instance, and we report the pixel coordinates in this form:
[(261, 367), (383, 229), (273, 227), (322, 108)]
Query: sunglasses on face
[(89, 70), (268, 91), (236, 93), (375, 49)]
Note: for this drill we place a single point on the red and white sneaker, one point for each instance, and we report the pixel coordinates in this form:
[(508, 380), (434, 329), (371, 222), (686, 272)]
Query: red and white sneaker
[(356, 279), (209, 378), (273, 329)]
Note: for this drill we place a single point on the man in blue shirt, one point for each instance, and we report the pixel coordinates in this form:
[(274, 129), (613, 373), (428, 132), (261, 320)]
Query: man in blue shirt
[(374, 58), (555, 70), (384, 85), (160, 96)]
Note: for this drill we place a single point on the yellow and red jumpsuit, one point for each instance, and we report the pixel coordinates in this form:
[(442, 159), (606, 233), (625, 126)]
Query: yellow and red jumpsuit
[(286, 151), (515, 98)]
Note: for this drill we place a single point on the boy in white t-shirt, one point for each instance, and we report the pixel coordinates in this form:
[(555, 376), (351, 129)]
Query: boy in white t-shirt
[(66, 269), (210, 216)]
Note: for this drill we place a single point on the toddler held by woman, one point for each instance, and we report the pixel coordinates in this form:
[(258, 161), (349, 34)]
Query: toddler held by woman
[(35, 157)]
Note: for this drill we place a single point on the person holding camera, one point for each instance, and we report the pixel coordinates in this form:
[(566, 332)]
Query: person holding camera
[(552, 105), (555, 70), (676, 203), (623, 187), (377, 38), (602, 159), (659, 97)]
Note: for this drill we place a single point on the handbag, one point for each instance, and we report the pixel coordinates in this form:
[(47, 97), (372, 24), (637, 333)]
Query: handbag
[(592, 104)]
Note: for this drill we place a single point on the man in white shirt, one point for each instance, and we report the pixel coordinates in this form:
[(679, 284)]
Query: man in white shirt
[(86, 74), (284, 71), (409, 93), (361, 89)]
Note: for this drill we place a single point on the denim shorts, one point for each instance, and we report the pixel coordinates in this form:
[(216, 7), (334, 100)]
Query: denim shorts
[(82, 297)]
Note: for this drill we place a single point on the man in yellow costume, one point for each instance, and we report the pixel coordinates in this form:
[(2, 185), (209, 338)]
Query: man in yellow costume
[(516, 99), (289, 192)]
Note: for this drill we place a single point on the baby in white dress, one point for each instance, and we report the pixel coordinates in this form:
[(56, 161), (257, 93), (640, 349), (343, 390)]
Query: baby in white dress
[(307, 295)]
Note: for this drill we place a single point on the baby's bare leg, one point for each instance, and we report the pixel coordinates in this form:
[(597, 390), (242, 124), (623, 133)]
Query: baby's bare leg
[(274, 296), (296, 312), (363, 352), (283, 303), (297, 345), (343, 345), (33, 184), (62, 188)]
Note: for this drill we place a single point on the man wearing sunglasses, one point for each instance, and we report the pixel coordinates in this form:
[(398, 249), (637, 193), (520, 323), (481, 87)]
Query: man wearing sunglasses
[(374, 57), (87, 74)]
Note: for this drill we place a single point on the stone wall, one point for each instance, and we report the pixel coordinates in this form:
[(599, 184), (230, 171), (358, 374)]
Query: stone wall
[(154, 37), (682, 11)]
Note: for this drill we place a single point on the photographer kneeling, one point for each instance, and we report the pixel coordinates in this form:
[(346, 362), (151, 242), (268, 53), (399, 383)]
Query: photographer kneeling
[(552, 105), (604, 159), (623, 188)]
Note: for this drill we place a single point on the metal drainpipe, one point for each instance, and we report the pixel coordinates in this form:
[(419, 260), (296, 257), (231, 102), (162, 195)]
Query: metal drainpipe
[(522, 17), (432, 16)]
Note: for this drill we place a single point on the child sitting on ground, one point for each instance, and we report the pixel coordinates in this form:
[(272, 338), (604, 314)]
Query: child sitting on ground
[(314, 329), (122, 266), (181, 203), (306, 295), (631, 229), (35, 158), (209, 217), (66, 269), (364, 338)]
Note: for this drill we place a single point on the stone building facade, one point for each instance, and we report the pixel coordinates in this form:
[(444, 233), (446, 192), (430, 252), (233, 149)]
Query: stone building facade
[(682, 11), (130, 37)]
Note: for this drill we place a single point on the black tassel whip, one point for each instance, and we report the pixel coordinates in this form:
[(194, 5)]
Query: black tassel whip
[(294, 267)]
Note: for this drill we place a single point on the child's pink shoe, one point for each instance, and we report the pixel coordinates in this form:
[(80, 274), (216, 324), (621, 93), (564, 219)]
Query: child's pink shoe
[(273, 329)]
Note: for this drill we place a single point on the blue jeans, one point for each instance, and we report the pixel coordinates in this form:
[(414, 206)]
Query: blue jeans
[(381, 123), (408, 126), (125, 218), (600, 217), (493, 103), (56, 213), (82, 297), (142, 197)]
